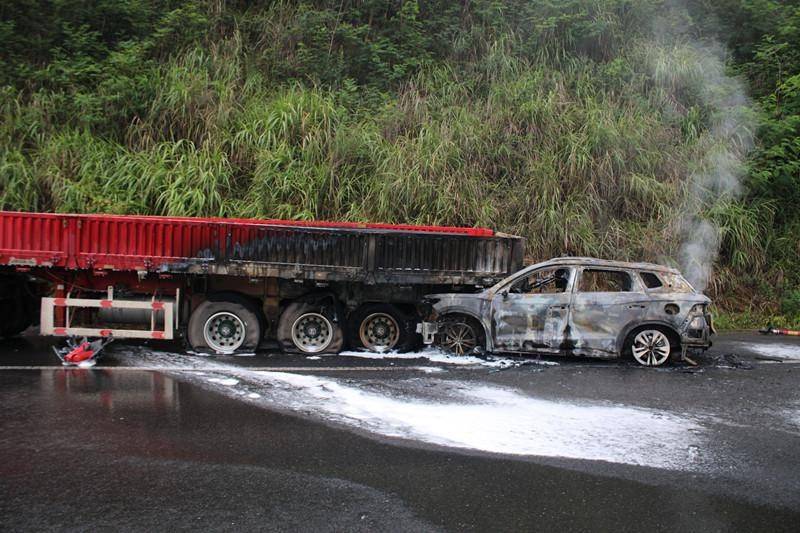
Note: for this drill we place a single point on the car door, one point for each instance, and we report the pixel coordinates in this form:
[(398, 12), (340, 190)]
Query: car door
[(605, 301), (531, 313)]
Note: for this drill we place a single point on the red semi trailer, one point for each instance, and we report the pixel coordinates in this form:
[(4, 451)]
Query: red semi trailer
[(226, 285)]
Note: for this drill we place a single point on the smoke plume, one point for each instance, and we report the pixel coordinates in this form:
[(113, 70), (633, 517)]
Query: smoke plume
[(697, 72)]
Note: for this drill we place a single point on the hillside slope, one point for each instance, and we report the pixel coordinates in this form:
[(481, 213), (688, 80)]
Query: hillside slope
[(611, 128)]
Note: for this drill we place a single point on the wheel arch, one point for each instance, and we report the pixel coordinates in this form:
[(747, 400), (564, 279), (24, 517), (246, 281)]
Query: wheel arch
[(456, 311), (669, 329), (254, 303)]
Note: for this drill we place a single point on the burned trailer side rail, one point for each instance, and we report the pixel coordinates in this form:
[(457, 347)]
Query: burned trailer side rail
[(359, 255), (370, 254)]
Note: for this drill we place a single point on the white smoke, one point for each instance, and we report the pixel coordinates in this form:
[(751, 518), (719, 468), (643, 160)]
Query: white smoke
[(698, 69), (719, 177)]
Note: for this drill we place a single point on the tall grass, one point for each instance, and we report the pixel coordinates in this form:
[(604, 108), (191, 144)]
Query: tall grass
[(579, 156)]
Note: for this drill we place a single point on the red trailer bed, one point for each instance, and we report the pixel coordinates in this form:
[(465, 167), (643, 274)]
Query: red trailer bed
[(261, 248)]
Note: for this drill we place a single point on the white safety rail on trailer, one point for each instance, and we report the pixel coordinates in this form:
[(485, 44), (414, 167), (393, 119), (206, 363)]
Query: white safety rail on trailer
[(49, 307)]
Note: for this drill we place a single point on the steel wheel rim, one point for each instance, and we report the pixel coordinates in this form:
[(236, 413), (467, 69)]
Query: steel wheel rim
[(224, 332), (379, 332), (312, 332), (459, 338), (650, 347)]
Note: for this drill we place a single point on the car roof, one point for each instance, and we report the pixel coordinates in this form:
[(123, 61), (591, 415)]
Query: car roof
[(594, 262)]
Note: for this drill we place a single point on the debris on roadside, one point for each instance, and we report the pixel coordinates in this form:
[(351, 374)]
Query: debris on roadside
[(506, 364), (770, 358), (769, 330), (730, 360), (81, 353)]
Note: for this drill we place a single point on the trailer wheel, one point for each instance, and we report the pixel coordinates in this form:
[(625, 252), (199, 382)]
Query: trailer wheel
[(306, 328), (224, 326), (380, 328), (13, 321), (14, 309)]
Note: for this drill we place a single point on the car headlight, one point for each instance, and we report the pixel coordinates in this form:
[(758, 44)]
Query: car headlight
[(698, 322)]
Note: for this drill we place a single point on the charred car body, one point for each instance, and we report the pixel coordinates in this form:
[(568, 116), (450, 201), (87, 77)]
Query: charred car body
[(577, 306)]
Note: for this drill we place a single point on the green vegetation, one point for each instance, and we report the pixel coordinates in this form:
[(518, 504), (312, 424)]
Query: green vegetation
[(578, 124)]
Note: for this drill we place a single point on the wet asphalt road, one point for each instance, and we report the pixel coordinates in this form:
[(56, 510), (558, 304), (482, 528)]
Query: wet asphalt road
[(120, 447)]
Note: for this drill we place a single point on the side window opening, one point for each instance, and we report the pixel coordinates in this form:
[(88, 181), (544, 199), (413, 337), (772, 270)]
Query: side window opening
[(548, 281), (676, 283), (594, 280), (650, 280)]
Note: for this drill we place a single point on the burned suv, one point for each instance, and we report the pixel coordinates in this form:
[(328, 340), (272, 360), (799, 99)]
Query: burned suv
[(577, 306)]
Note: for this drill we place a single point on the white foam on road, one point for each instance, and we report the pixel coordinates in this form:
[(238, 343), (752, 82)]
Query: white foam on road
[(781, 350), (465, 415), (228, 382), (438, 356), (499, 420)]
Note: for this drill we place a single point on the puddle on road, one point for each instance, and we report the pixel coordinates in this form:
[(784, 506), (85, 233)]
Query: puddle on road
[(457, 414)]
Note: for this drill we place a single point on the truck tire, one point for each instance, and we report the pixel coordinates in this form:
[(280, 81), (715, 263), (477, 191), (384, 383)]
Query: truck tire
[(13, 319), (309, 329), (224, 326), (15, 311), (381, 328)]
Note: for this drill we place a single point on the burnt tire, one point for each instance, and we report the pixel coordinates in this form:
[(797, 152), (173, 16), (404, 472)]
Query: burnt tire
[(461, 335), (13, 319), (309, 329), (381, 328), (15, 307), (224, 326)]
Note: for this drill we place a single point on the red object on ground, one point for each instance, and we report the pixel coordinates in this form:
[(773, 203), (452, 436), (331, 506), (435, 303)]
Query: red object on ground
[(781, 331), (80, 354), (133, 242)]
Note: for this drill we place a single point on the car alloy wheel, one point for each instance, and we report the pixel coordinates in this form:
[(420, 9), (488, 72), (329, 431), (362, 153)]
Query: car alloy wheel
[(459, 338), (650, 347)]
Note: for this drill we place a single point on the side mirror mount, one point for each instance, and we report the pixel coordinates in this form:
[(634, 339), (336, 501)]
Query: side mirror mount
[(504, 292)]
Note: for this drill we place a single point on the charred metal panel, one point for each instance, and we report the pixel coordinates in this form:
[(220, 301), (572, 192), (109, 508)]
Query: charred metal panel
[(534, 317), (530, 323), (598, 317), (489, 256), (291, 247)]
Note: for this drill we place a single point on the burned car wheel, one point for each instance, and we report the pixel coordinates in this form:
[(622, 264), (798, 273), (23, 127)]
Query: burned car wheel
[(461, 335), (650, 347)]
